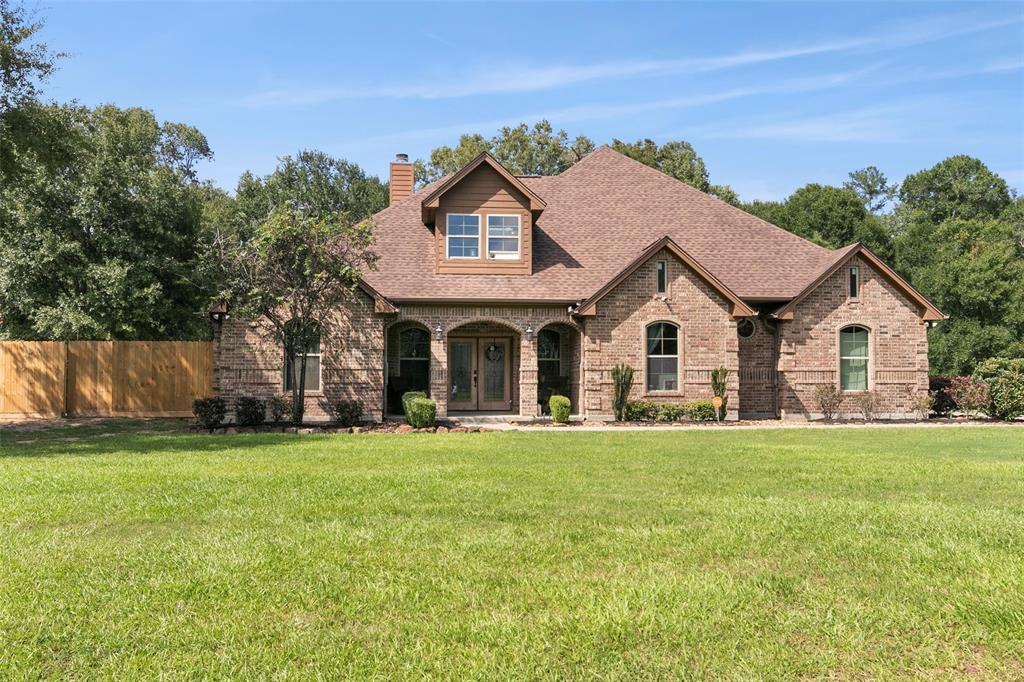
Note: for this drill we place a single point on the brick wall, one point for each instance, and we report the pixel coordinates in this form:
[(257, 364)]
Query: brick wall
[(617, 334), (248, 362), (757, 362), (809, 344)]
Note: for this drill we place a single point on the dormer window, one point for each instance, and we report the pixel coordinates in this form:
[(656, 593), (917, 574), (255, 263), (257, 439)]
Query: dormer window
[(503, 237), (463, 235)]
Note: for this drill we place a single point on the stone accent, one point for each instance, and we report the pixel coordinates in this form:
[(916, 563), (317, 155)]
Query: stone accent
[(809, 344), (617, 334)]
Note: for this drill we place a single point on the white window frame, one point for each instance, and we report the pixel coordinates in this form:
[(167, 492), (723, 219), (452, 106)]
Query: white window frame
[(448, 236), (319, 355), (661, 270), (647, 357), (867, 357), (505, 255), (853, 283)]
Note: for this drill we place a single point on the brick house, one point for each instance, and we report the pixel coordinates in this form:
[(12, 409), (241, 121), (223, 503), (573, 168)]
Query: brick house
[(494, 291)]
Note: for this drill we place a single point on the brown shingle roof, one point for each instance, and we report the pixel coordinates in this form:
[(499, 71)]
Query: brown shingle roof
[(601, 215)]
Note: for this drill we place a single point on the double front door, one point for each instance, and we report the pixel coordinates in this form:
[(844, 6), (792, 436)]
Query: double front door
[(478, 374)]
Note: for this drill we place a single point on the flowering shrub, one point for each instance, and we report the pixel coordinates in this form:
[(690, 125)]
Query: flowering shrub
[(970, 396)]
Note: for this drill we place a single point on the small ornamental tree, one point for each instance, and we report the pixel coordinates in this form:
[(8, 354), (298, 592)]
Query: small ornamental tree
[(294, 270), (719, 377)]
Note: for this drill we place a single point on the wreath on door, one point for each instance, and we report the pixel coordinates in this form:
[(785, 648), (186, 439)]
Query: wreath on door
[(494, 353)]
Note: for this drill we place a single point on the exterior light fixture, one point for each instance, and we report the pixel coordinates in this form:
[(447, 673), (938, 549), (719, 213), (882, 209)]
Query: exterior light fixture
[(438, 333), (529, 332), (219, 312)]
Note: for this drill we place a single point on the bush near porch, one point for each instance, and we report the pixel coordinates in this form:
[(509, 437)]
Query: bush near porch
[(875, 553)]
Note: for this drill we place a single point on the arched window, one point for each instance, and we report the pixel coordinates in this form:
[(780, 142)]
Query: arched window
[(414, 358), (549, 354), (662, 357), (853, 358)]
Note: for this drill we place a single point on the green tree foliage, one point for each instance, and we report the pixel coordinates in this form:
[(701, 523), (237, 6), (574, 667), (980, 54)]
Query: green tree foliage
[(827, 215), (521, 149), (101, 232), (872, 187), (676, 158), (958, 187)]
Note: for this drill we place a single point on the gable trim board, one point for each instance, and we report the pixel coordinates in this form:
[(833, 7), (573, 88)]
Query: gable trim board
[(737, 307), (926, 309)]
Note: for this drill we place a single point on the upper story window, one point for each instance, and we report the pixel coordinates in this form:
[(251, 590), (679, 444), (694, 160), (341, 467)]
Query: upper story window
[(661, 268), (854, 282), (503, 237), (463, 235), (853, 358), (662, 357)]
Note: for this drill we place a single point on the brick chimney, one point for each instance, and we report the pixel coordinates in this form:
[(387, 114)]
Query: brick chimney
[(400, 184)]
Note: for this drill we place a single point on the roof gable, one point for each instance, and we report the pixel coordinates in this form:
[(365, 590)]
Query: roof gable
[(737, 308), (432, 199), (926, 309)]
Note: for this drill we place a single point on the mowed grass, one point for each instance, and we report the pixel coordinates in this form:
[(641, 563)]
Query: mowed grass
[(817, 553)]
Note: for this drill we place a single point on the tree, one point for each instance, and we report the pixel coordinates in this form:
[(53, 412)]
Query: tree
[(102, 229), (958, 187), (827, 215), (521, 149), (677, 159), (293, 270), (726, 194), (872, 187)]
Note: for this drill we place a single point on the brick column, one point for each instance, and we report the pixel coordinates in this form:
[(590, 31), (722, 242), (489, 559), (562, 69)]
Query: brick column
[(732, 382), (439, 374), (527, 377)]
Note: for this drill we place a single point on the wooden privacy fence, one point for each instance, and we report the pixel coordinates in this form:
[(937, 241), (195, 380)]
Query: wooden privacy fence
[(103, 378)]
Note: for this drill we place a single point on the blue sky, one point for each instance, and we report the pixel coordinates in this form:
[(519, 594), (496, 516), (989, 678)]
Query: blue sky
[(772, 95)]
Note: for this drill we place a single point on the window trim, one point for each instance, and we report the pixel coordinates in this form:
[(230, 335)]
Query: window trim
[(661, 278), (558, 346), (320, 369), (519, 237), (839, 354), (678, 356), (853, 282), (448, 236)]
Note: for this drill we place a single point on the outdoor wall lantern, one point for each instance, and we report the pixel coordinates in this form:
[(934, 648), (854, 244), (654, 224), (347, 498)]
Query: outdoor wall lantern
[(219, 313), (438, 333), (529, 332)]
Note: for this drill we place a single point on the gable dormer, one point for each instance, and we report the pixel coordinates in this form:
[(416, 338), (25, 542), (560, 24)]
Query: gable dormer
[(483, 219)]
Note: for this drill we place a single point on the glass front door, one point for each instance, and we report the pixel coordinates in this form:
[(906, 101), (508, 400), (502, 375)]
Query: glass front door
[(479, 374)]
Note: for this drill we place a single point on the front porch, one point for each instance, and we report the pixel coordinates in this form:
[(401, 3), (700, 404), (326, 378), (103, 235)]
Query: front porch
[(484, 366)]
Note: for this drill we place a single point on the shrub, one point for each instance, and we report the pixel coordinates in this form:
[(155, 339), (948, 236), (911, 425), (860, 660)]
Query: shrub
[(670, 412), (700, 410), (1005, 380), (924, 404), (829, 398), (347, 412), (559, 406), (937, 386), (409, 396), (280, 407), (250, 411), (969, 395), (718, 386), (869, 403), (420, 412), (641, 411), (622, 383), (209, 412)]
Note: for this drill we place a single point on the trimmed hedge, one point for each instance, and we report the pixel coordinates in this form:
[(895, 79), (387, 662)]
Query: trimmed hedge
[(209, 412), (559, 406), (649, 411), (250, 411), (347, 412), (408, 396), (420, 412)]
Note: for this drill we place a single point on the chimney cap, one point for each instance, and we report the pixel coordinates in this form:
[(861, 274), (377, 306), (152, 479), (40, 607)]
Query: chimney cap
[(401, 158)]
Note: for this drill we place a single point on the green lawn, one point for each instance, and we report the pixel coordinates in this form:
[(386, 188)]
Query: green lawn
[(835, 553)]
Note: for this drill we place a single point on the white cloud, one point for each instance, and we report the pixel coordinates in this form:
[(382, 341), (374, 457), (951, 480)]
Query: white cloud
[(515, 78)]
